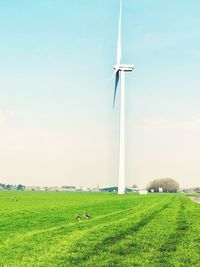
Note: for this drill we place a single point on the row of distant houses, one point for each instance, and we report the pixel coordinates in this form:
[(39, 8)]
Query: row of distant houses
[(69, 188), (49, 188), (63, 188), (193, 190)]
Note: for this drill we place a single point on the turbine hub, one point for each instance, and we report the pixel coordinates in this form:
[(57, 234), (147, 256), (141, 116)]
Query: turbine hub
[(124, 67)]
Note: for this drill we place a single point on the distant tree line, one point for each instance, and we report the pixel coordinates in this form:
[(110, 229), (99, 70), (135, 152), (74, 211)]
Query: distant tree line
[(18, 187), (167, 185), (192, 190)]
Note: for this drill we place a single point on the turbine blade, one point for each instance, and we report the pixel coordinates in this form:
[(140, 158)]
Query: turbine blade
[(116, 85), (114, 73), (119, 42), (111, 79)]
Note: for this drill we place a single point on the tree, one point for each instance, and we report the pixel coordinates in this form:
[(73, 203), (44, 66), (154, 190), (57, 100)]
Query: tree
[(20, 187), (168, 185), (8, 187), (197, 189), (134, 186), (2, 186)]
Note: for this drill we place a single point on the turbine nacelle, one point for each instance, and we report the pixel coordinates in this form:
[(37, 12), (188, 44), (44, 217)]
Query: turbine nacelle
[(124, 67)]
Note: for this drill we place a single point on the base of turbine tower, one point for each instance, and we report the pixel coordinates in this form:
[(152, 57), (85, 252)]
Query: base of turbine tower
[(121, 191)]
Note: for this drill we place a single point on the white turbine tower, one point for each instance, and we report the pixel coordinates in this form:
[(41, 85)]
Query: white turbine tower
[(119, 72)]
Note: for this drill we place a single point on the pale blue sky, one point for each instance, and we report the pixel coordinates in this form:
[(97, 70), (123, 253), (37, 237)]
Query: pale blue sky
[(57, 125)]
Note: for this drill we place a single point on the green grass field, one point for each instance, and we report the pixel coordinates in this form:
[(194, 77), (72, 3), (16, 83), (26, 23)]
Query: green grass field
[(131, 230)]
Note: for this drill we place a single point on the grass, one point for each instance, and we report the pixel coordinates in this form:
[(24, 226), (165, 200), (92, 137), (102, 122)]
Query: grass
[(132, 230)]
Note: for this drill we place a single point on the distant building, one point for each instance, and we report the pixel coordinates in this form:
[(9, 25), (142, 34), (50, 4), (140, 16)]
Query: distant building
[(94, 189), (132, 189), (79, 188), (54, 188), (110, 189), (68, 188), (44, 188), (32, 188)]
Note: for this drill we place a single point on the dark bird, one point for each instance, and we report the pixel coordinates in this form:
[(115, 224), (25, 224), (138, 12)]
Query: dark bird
[(86, 216), (78, 217)]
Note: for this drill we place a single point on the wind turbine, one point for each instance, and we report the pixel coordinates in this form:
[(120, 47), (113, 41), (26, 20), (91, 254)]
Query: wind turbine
[(119, 72)]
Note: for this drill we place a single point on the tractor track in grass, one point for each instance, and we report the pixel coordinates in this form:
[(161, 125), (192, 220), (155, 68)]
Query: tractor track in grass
[(123, 231), (74, 244), (105, 243), (175, 238), (55, 235), (67, 227)]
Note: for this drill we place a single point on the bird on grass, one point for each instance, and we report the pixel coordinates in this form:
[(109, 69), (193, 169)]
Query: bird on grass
[(86, 216), (78, 217)]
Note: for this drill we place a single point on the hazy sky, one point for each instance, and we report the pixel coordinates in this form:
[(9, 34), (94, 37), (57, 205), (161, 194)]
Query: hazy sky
[(57, 124)]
